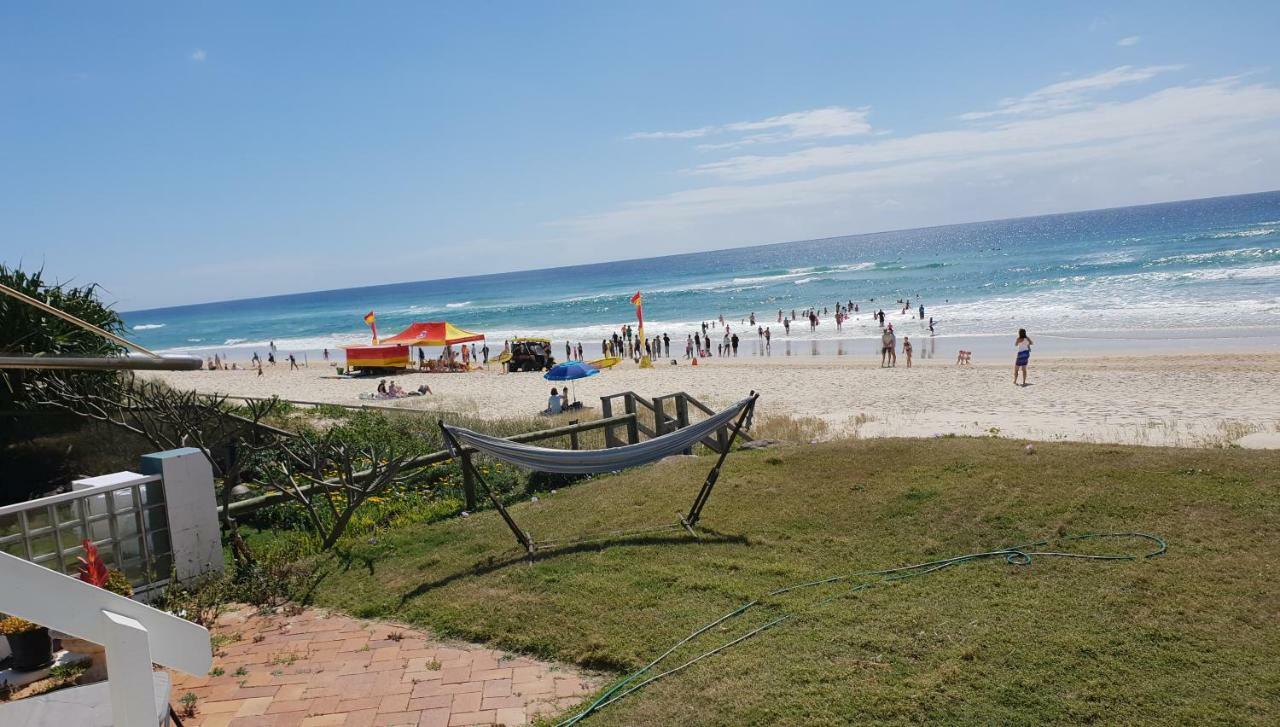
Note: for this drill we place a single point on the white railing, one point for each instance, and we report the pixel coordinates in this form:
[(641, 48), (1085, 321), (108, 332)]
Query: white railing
[(149, 526), (134, 635)]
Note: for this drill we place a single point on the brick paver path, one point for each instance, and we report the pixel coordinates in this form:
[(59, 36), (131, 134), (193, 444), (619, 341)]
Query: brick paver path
[(319, 668)]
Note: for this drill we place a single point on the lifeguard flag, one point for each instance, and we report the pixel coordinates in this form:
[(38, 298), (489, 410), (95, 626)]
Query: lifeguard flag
[(371, 321), (635, 299)]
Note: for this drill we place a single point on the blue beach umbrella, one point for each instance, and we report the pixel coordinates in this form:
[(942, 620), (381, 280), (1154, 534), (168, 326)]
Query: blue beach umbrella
[(571, 371)]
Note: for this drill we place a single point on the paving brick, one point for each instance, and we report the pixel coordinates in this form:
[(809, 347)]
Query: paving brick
[(317, 669), (511, 717), (471, 718), (468, 702)]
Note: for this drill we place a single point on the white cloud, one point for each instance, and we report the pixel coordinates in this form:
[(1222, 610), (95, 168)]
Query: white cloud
[(823, 123), (1129, 41), (1072, 93), (198, 55), (1213, 137)]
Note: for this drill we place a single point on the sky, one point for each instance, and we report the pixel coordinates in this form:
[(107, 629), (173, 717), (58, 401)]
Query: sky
[(188, 152)]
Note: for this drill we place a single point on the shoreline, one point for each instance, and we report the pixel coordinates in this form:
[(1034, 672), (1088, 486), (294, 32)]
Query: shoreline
[(1074, 344), (1185, 399)]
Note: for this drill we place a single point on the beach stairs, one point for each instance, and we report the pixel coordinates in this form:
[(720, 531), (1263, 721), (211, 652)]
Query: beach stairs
[(668, 413)]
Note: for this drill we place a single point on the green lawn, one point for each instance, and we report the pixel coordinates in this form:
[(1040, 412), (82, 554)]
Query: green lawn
[(1188, 638)]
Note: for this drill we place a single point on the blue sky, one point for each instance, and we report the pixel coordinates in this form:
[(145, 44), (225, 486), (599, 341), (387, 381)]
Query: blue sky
[(188, 152)]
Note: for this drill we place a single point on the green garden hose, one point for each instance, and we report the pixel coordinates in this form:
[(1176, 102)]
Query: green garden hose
[(1020, 555)]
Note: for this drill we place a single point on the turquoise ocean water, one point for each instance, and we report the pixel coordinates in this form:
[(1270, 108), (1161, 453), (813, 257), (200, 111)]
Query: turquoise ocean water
[(1181, 270)]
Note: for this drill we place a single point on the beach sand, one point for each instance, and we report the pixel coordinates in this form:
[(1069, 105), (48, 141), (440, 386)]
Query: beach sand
[(1178, 400)]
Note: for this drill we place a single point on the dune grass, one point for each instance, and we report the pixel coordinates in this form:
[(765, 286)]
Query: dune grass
[(1188, 638)]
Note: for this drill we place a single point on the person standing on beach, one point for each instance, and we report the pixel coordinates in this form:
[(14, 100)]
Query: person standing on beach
[(922, 311), (485, 352), (1024, 355), (666, 344), (768, 338), (735, 344), (893, 346), (886, 341), (293, 362), (906, 348)]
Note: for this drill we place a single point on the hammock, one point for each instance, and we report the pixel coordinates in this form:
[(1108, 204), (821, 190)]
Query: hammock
[(595, 461), (542, 459)]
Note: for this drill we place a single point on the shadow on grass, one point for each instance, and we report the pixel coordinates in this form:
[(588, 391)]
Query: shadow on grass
[(491, 565)]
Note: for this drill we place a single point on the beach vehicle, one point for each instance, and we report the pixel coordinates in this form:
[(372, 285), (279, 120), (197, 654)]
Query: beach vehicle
[(530, 354)]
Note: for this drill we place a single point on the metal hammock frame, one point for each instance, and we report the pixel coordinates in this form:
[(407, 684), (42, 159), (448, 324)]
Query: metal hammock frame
[(686, 521)]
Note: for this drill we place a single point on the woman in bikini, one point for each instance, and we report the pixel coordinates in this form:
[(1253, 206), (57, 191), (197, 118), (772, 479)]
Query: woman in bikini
[(1024, 354)]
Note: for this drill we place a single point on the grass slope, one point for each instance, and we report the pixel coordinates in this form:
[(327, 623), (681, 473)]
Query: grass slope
[(1190, 638)]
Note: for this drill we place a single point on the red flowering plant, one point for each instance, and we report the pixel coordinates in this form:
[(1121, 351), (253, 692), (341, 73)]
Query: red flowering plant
[(96, 573)]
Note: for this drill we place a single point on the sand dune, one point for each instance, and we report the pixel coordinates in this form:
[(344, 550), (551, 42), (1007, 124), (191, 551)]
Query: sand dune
[(1187, 400)]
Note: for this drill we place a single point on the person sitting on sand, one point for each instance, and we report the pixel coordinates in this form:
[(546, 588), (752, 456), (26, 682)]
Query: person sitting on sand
[(420, 391), (555, 404), (1024, 354), (382, 387)]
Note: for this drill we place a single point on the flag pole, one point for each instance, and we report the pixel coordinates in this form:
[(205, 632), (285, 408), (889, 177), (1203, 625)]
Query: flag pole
[(638, 299)]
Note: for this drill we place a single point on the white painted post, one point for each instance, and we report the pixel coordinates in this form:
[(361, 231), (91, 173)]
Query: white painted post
[(192, 507), (133, 699)]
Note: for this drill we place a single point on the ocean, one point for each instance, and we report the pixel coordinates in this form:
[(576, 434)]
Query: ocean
[(1192, 270)]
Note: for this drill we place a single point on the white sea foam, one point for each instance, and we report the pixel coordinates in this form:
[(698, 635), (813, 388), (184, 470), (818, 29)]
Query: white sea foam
[(463, 304), (1220, 255), (148, 326), (1255, 232)]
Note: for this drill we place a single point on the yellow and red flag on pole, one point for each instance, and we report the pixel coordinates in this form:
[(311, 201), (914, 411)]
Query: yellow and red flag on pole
[(638, 301), (372, 322)]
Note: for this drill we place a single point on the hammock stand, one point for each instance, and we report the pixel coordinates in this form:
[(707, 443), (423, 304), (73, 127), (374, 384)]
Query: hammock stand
[(745, 410)]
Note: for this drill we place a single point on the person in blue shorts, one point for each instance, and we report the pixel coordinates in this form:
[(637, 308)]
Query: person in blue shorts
[(1024, 355)]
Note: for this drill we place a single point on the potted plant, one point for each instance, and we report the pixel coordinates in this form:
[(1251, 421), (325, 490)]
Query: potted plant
[(96, 573), (29, 644)]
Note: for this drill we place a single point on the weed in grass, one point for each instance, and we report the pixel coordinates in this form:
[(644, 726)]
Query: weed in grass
[(217, 671), (188, 702), (240, 671), (287, 658), (65, 674)]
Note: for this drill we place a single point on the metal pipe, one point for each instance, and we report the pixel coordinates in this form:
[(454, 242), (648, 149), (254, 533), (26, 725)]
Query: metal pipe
[(107, 363)]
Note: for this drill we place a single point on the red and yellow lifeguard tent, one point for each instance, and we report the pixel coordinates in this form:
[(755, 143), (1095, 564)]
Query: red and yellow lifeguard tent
[(393, 353), (435, 333)]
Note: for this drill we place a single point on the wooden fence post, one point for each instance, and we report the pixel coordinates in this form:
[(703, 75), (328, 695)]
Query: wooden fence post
[(606, 411), (682, 415), (633, 425), (468, 482)]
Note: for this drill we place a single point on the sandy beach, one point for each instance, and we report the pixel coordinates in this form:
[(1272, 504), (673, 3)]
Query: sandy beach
[(1179, 400)]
